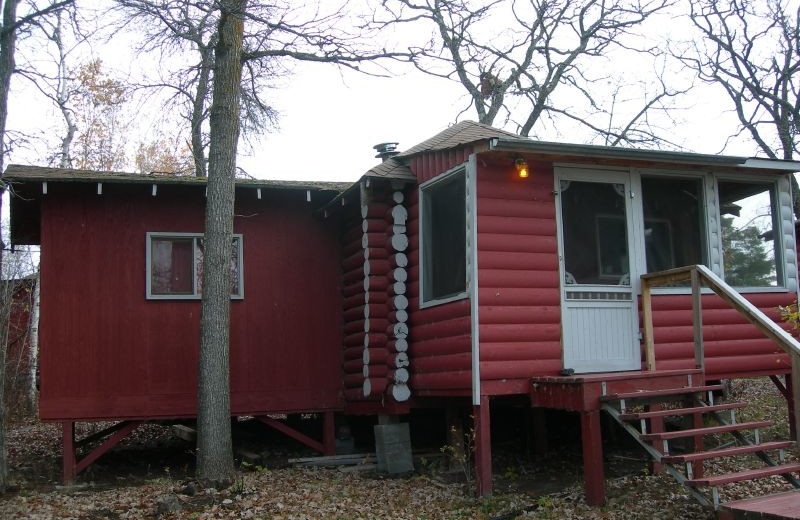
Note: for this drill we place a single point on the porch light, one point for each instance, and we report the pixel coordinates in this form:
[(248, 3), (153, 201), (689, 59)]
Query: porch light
[(522, 168)]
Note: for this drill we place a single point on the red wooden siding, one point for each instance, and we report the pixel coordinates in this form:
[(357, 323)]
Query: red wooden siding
[(108, 352), (440, 336), (733, 347), (519, 304)]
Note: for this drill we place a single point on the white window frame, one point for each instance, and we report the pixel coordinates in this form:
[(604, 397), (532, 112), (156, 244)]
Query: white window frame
[(423, 303), (194, 296)]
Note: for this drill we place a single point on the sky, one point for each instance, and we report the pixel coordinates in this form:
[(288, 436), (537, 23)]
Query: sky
[(331, 118)]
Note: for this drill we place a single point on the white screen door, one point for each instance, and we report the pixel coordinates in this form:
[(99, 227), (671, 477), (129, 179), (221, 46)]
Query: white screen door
[(600, 330)]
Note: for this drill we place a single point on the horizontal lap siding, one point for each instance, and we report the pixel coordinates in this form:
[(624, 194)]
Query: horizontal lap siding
[(440, 336), (108, 352), (519, 311), (732, 345)]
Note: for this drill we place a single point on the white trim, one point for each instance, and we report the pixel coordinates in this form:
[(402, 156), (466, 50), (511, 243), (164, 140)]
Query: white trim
[(423, 304), (472, 276), (195, 296)]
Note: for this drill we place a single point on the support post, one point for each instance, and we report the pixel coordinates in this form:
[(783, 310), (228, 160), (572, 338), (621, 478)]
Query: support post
[(790, 402), (328, 433), (68, 442), (697, 319), (656, 426), (593, 475), (647, 318), (697, 466), (794, 381), (483, 446)]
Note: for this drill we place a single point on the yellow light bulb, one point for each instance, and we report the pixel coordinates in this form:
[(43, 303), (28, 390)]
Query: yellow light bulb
[(522, 168)]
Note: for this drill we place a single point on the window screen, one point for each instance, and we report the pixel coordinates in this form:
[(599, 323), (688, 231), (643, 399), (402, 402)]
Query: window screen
[(444, 238), (749, 233)]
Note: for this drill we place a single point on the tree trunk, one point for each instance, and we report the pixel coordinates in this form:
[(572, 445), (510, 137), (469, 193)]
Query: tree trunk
[(8, 41), (198, 112), (214, 445)]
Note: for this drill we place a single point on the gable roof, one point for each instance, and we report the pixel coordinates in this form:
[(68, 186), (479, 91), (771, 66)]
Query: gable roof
[(457, 135), (391, 169), (24, 173)]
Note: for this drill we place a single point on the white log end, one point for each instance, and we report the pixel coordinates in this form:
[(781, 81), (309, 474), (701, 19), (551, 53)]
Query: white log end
[(366, 284), (398, 229), (401, 393), (364, 210), (400, 330), (366, 267), (366, 312), (399, 288), (398, 197), (366, 388), (400, 274), (365, 369), (364, 225), (402, 316), (399, 242), (401, 375), (401, 345), (399, 215), (366, 325), (400, 360), (400, 302), (401, 260)]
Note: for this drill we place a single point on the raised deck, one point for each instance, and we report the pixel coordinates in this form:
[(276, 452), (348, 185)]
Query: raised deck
[(780, 506)]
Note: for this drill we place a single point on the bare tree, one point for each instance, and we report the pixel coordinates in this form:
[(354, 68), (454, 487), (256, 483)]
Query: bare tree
[(277, 32), (214, 444), (751, 50), (12, 24), (514, 58)]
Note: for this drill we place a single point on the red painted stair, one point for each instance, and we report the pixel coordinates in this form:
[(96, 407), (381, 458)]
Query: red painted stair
[(688, 468)]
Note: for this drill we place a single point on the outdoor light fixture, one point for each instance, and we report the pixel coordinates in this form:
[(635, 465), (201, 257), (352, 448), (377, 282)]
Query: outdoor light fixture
[(522, 168)]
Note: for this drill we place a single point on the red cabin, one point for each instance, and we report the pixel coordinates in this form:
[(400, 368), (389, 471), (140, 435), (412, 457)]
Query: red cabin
[(474, 266)]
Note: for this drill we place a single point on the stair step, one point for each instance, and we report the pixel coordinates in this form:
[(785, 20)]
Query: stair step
[(727, 452), (666, 392), (751, 474), (681, 411), (661, 436)]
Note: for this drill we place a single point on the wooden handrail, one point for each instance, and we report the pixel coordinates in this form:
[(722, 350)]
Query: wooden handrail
[(702, 275)]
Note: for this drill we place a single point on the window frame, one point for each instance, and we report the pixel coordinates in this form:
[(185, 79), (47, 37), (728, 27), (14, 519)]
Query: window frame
[(447, 175), (150, 235)]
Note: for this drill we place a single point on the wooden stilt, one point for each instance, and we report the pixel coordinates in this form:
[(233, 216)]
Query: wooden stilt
[(593, 476), (68, 441), (539, 431), (790, 404), (483, 447), (697, 467), (328, 433)]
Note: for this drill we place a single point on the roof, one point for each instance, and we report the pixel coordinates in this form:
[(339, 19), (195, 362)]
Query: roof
[(571, 150), (22, 173), (459, 134), (391, 169)]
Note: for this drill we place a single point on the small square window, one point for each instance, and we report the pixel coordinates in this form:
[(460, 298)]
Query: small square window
[(175, 266), (444, 239)]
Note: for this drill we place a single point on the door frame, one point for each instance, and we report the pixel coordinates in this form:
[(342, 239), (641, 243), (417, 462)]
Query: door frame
[(632, 183)]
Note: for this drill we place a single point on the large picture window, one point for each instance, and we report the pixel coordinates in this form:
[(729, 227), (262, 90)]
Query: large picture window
[(443, 238), (175, 266)]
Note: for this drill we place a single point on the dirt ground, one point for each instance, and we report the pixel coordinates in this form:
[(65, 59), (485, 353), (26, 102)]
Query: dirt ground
[(149, 475)]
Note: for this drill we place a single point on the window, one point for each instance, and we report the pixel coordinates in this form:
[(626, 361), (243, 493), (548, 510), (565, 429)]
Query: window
[(444, 238), (750, 233), (674, 222), (175, 266)]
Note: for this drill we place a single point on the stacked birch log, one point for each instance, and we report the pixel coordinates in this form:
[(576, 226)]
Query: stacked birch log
[(375, 306)]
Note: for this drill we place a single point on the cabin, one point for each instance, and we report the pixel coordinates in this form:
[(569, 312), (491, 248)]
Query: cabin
[(475, 268)]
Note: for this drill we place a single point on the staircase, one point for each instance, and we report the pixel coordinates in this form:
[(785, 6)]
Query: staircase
[(642, 415)]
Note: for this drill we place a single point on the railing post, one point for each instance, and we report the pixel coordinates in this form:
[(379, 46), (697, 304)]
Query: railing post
[(795, 359), (647, 318), (697, 318)]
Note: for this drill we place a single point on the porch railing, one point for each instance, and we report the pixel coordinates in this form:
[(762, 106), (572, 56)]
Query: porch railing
[(702, 275)]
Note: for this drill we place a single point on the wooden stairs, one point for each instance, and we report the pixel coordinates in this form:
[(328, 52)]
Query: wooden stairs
[(681, 452)]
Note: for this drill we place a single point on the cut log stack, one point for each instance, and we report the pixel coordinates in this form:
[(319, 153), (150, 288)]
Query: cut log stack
[(397, 360), (376, 360)]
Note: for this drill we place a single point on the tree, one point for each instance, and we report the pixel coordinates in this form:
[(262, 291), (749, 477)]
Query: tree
[(183, 31), (751, 50), (214, 444), (545, 50), (163, 155), (11, 25), (745, 258)]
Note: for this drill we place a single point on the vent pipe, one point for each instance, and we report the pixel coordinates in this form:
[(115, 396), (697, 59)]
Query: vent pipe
[(386, 150)]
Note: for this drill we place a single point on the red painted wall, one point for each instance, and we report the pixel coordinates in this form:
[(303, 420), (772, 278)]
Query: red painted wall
[(108, 352), (439, 337), (519, 304)]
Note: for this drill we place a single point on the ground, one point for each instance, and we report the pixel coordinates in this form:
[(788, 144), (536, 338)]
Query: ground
[(148, 476)]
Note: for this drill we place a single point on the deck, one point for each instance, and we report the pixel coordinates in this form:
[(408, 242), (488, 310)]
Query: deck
[(779, 506)]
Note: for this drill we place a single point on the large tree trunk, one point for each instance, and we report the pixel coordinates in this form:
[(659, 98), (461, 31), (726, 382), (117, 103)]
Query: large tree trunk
[(8, 42), (214, 446), (198, 112)]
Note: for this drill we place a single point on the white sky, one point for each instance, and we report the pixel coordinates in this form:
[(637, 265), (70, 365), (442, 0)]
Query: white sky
[(330, 119)]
